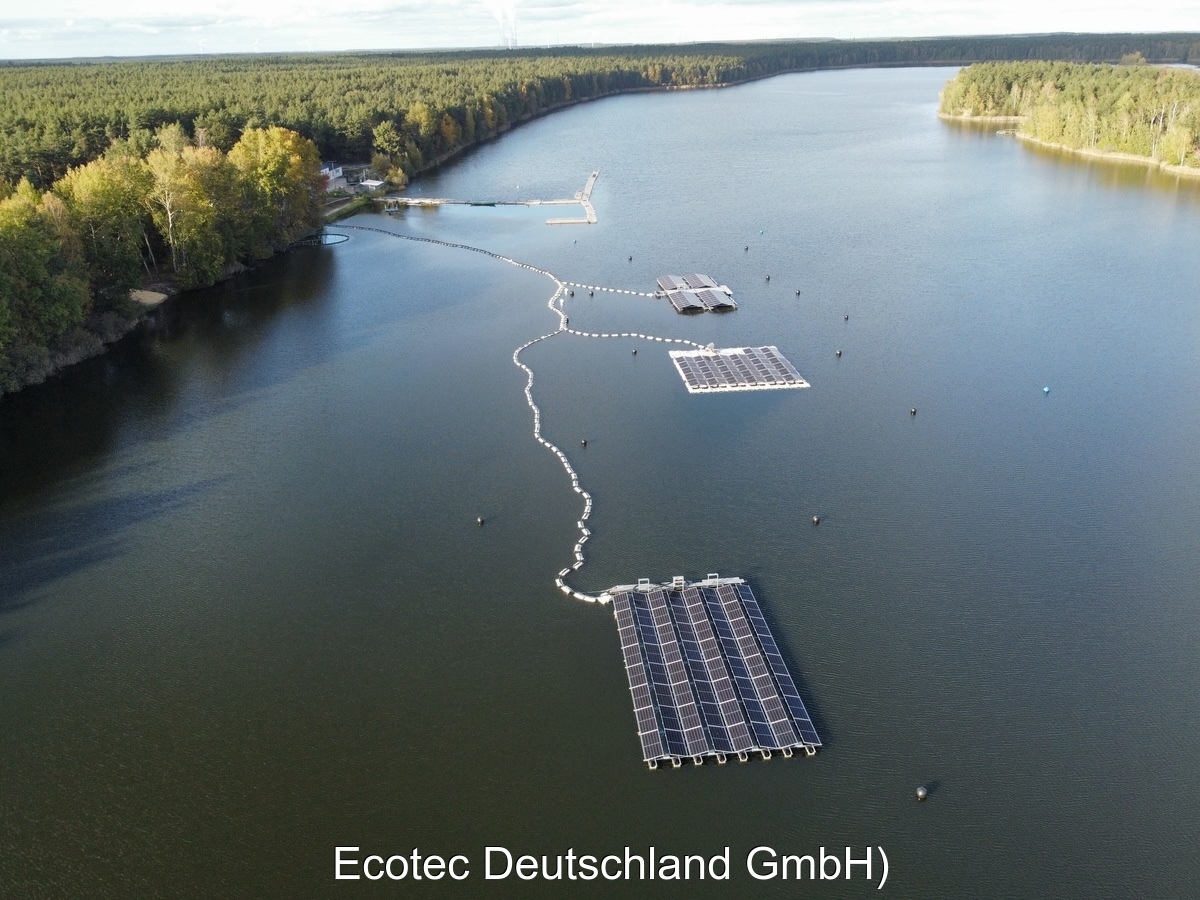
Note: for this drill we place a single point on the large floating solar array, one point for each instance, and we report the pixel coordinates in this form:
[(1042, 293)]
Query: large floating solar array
[(706, 675), (715, 370)]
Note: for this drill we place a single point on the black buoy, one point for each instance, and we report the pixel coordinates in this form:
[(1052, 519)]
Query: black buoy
[(479, 521), (768, 278), (570, 293), (839, 354), (913, 411), (591, 293), (635, 351), (584, 442), (631, 259), (747, 247), (846, 318), (922, 793), (797, 292), (816, 520)]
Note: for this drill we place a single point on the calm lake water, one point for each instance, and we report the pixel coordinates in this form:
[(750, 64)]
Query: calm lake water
[(247, 616)]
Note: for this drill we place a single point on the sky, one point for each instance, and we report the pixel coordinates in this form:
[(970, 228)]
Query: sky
[(50, 29)]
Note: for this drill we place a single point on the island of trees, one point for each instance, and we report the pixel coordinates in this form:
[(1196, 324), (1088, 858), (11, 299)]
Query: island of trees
[(1132, 109), (115, 174)]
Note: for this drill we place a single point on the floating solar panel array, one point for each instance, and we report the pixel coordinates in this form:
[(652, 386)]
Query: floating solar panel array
[(695, 293), (686, 282), (714, 370), (706, 675), (699, 301)]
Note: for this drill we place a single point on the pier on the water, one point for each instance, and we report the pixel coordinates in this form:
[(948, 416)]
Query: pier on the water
[(583, 198)]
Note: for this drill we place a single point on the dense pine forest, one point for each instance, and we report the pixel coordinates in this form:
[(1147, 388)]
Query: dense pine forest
[(115, 173), (1132, 108)]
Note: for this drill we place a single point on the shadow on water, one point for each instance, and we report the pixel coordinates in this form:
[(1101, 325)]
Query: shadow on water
[(1107, 172), (41, 548), (198, 355)]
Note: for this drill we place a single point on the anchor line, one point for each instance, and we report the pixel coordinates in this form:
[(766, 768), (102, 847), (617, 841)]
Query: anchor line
[(555, 304)]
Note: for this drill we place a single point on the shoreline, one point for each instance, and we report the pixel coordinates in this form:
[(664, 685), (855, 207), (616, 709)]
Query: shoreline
[(952, 117), (1112, 156), (106, 338)]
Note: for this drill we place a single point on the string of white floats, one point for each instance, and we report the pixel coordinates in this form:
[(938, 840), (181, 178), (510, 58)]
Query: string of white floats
[(555, 304)]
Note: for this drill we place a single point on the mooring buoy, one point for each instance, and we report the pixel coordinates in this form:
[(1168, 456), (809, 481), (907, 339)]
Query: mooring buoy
[(479, 520), (922, 793), (797, 292), (1045, 390), (584, 442), (816, 520), (631, 259), (768, 278), (846, 318), (635, 351), (913, 411), (839, 354)]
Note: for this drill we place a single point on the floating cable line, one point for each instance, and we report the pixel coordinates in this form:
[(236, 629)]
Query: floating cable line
[(555, 304)]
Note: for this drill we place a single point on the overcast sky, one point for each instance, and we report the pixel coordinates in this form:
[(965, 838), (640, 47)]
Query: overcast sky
[(66, 28)]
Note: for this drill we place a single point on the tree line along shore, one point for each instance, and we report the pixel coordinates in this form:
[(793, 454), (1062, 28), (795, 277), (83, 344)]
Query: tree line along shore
[(174, 172), (1131, 111)]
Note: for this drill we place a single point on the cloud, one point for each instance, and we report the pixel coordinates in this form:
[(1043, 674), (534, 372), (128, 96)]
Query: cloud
[(39, 30)]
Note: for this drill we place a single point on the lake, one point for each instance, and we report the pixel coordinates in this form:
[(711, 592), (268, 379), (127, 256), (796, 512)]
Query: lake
[(248, 617)]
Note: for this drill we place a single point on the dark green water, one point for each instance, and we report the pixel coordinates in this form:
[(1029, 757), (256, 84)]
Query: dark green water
[(247, 617)]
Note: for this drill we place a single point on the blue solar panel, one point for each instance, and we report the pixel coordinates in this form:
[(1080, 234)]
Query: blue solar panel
[(705, 673)]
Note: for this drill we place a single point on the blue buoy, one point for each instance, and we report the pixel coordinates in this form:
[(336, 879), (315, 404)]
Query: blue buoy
[(1045, 390)]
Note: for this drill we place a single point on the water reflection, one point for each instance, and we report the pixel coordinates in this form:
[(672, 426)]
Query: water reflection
[(205, 342)]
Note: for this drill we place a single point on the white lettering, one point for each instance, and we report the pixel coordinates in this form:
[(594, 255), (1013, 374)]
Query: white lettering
[(587, 868), (367, 868), (723, 859), (488, 868), (338, 862), (851, 862), (403, 868), (769, 867), (837, 866), (454, 860), (527, 864)]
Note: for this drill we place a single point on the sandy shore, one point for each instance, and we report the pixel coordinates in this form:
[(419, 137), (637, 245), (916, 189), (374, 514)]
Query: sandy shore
[(147, 298), (1112, 156)]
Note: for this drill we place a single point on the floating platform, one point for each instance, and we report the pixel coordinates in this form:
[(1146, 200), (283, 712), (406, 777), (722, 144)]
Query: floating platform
[(706, 675), (714, 370), (695, 293)]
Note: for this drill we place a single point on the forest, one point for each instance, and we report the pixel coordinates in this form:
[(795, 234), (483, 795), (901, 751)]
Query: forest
[(1134, 108), (115, 173), (184, 213)]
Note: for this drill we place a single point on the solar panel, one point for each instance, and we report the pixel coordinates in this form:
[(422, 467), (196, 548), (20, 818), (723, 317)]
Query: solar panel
[(705, 673), (735, 369)]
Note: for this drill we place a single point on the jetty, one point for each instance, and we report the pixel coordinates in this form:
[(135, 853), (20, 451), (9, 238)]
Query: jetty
[(583, 198)]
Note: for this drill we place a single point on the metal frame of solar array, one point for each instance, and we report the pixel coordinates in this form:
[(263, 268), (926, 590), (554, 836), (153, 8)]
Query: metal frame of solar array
[(736, 369), (706, 675)]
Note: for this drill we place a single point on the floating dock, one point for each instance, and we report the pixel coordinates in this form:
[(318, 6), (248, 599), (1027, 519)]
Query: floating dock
[(705, 673), (712, 370), (583, 198), (695, 293)]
